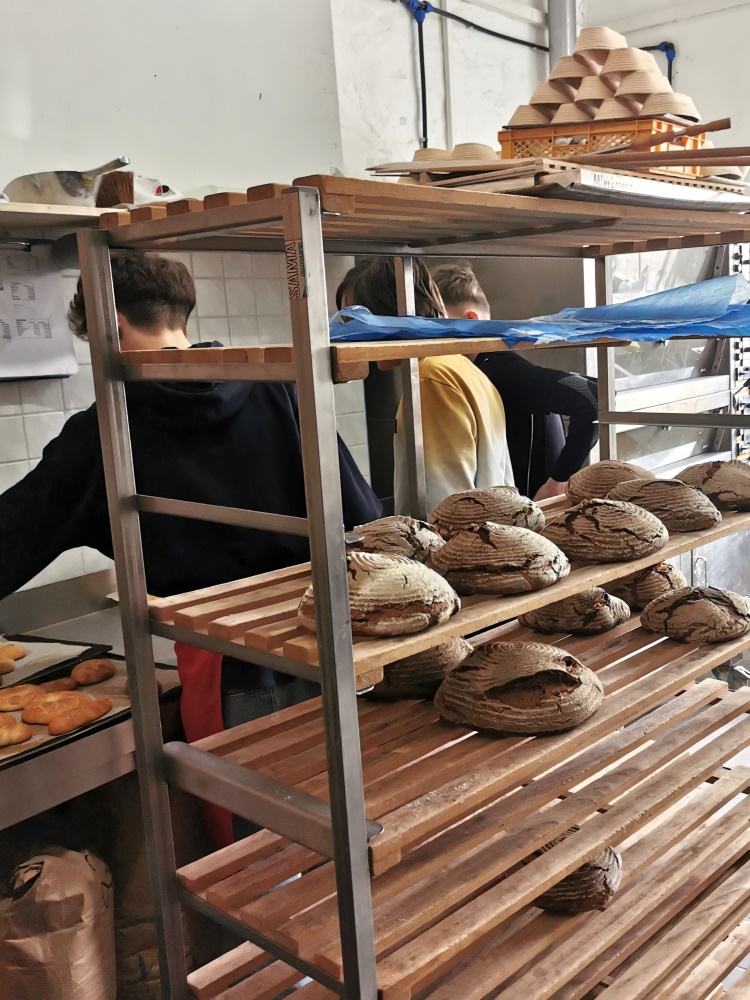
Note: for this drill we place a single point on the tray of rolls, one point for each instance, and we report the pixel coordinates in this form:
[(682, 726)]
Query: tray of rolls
[(65, 702), (24, 658)]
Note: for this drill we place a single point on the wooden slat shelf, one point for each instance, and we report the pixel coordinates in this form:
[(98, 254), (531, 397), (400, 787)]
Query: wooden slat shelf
[(461, 811), (261, 612), (438, 218)]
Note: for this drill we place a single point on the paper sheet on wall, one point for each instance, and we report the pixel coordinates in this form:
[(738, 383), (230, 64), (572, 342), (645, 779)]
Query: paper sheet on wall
[(35, 340)]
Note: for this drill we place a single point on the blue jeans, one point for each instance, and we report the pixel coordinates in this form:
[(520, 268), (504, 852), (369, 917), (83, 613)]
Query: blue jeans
[(244, 706)]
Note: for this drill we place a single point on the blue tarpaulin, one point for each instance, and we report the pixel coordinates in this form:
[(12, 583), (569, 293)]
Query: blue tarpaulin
[(716, 308)]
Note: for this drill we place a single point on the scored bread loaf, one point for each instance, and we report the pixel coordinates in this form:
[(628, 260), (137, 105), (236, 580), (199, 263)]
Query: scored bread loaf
[(6, 666), (606, 531), (420, 675), (48, 704), (389, 595), (13, 732), (500, 504), (588, 613), (590, 887), (727, 484), (519, 687), (13, 699), (678, 506), (640, 588), (92, 672), (79, 716), (399, 535), (698, 614), (494, 558), (595, 481)]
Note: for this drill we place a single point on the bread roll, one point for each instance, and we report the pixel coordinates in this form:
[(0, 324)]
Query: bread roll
[(6, 666), (499, 559), (420, 676), (13, 699), (48, 704), (400, 536), (640, 588), (389, 595), (588, 613), (92, 672), (595, 481), (79, 716), (590, 887), (727, 484), (678, 506), (12, 731), (12, 651), (519, 687), (499, 504), (698, 614), (61, 684), (606, 531)]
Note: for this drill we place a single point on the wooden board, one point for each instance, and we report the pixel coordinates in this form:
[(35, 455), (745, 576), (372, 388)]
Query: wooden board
[(273, 627)]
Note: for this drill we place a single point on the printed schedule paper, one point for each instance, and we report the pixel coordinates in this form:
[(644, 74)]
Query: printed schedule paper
[(35, 340)]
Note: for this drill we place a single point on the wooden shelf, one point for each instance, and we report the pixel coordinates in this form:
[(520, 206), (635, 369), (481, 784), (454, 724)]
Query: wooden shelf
[(261, 612), (16, 216), (461, 811), (438, 220)]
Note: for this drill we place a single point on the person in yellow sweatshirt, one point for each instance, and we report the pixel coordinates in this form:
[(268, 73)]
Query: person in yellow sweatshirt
[(463, 420)]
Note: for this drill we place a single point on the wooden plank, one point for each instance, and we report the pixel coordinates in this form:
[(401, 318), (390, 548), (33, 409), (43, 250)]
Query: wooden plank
[(223, 199), (210, 979), (231, 626), (199, 615), (162, 609), (400, 916), (110, 220), (184, 206), (451, 934), (715, 967), (303, 647), (266, 727), (199, 874), (740, 990), (241, 887), (727, 943), (147, 213), (264, 985), (265, 192), (274, 635)]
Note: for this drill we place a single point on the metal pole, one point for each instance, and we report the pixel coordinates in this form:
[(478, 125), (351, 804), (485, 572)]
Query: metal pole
[(605, 358), (101, 320), (563, 29), (309, 311), (411, 405)]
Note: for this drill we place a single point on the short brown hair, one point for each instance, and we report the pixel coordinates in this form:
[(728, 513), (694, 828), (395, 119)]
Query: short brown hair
[(375, 288), (458, 284), (150, 291)]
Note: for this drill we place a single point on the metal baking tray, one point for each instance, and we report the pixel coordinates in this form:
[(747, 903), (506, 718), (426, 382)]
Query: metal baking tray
[(31, 673)]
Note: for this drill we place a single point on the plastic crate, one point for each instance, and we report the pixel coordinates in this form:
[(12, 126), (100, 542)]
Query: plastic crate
[(558, 142)]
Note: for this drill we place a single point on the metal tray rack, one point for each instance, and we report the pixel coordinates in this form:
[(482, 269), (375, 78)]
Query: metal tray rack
[(411, 835)]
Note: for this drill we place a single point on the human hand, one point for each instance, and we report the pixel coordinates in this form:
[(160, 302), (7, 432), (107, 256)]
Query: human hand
[(550, 489)]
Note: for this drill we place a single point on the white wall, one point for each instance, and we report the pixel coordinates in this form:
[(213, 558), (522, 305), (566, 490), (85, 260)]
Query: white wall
[(233, 93), (711, 39)]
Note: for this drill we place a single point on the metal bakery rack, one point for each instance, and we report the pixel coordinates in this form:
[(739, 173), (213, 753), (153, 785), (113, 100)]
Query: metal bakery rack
[(415, 841)]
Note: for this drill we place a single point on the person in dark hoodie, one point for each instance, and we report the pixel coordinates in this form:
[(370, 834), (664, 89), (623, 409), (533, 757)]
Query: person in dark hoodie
[(232, 443), (535, 398)]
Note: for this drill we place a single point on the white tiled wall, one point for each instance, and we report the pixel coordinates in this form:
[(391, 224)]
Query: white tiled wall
[(241, 301)]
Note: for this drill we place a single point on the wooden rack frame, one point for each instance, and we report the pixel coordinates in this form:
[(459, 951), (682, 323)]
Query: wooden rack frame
[(409, 834)]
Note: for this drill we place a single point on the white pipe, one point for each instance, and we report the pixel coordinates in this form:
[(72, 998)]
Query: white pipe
[(562, 28)]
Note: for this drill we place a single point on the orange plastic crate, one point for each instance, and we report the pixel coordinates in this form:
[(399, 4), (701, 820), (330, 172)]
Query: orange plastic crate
[(561, 141)]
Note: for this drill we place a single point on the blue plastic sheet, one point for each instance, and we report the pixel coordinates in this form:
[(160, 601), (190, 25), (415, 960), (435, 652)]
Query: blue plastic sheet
[(716, 308)]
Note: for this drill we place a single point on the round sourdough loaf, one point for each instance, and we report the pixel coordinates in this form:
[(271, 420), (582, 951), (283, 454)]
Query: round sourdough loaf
[(420, 676), (519, 687), (727, 484), (494, 558), (595, 481), (588, 613), (698, 614), (678, 506), (399, 535), (640, 588), (389, 595), (590, 887), (606, 531), (500, 504)]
